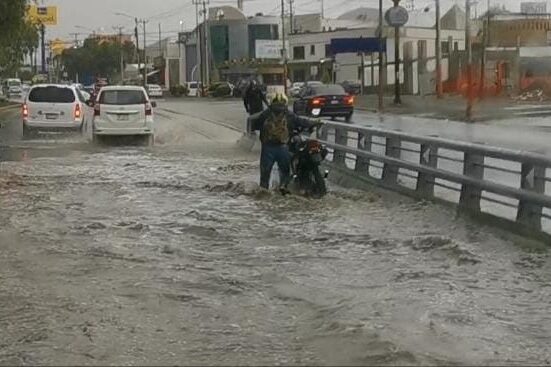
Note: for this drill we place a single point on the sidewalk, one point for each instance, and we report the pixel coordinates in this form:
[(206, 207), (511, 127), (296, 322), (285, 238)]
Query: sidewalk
[(454, 107)]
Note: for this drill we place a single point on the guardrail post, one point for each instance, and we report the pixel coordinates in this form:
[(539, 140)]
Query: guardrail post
[(341, 138), (362, 163), (532, 179), (323, 133), (473, 166), (392, 149), (425, 182)]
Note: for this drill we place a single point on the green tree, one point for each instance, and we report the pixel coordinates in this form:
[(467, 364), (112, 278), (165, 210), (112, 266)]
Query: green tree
[(17, 36), (95, 58)]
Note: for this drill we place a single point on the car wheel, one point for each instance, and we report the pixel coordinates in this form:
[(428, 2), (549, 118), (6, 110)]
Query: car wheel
[(348, 117), (27, 132)]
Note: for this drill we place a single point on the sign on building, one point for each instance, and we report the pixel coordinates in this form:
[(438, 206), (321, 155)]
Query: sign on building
[(533, 7), (269, 49), (46, 15)]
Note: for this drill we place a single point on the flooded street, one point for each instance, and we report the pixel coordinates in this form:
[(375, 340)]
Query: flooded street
[(172, 255)]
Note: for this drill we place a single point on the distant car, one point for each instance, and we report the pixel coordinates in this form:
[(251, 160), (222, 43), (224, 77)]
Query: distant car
[(193, 88), (123, 111), (54, 107), (12, 87), (154, 90), (353, 88), (325, 100)]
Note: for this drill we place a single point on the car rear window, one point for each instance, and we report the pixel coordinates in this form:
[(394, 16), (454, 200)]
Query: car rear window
[(14, 83), (51, 95), (328, 90), (122, 97)]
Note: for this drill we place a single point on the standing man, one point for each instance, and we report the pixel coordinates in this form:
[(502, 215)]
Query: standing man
[(276, 125), (254, 98)]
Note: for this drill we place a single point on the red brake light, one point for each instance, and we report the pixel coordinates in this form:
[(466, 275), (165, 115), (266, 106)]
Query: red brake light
[(349, 100), (97, 109), (25, 111), (78, 112), (318, 101), (148, 109)]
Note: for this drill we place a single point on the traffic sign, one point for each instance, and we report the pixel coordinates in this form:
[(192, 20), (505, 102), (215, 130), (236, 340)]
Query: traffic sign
[(397, 16), (46, 15)]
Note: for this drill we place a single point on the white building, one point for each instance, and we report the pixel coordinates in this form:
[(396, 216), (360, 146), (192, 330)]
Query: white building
[(311, 56)]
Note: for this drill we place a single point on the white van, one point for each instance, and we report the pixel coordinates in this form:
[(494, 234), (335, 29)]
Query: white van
[(123, 111), (54, 107), (193, 88), (12, 87)]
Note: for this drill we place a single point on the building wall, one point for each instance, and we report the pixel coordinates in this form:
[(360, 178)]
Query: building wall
[(520, 32)]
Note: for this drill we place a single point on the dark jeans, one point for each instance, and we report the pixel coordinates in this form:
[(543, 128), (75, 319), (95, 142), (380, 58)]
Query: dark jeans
[(271, 154)]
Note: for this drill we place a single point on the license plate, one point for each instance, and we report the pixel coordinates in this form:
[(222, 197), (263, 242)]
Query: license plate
[(122, 117), (335, 102), (51, 116)]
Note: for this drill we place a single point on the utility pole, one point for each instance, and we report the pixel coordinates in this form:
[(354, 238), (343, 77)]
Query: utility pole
[(485, 44), (284, 48), (160, 38), (199, 47), (121, 52), (206, 41), (144, 22), (381, 61), (291, 17), (43, 47), (468, 47), (362, 65), (438, 53), (322, 9), (397, 96), (136, 33)]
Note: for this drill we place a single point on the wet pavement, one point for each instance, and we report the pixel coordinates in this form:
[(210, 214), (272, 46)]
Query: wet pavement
[(172, 255)]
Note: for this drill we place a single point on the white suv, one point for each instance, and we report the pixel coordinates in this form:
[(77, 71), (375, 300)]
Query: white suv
[(54, 107), (123, 110)]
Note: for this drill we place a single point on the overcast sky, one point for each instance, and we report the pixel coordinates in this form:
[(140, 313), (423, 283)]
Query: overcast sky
[(99, 15)]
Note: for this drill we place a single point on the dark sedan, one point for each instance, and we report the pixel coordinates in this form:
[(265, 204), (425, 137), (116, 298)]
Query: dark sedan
[(327, 100)]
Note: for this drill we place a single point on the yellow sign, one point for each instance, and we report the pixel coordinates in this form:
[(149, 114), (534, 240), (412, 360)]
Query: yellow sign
[(57, 46), (46, 15)]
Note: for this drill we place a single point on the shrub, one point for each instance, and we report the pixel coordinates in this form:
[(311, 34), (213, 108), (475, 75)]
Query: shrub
[(223, 90), (178, 90)]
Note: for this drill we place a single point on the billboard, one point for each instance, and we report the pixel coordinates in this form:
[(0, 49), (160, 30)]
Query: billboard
[(46, 15), (354, 45), (533, 7), (269, 49)]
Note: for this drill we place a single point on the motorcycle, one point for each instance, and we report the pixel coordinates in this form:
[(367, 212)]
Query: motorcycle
[(307, 156)]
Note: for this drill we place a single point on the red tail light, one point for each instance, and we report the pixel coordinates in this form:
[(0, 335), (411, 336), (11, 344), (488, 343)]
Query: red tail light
[(318, 101), (148, 109), (97, 109), (78, 112), (349, 100), (25, 111)]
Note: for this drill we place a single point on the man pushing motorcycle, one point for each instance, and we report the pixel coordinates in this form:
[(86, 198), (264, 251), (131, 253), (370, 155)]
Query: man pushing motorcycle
[(275, 125)]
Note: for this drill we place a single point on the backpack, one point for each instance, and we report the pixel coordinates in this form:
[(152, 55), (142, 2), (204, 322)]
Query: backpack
[(276, 129)]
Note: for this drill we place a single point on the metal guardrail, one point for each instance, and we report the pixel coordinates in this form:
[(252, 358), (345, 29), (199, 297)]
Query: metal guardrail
[(480, 179)]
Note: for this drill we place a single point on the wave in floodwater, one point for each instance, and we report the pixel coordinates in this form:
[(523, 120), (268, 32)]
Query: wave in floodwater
[(135, 255)]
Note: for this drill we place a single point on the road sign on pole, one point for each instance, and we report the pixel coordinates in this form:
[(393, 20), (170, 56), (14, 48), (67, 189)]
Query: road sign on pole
[(46, 15)]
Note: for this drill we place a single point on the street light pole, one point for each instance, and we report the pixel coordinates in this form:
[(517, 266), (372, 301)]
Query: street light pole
[(381, 55), (468, 46), (284, 48), (397, 96), (144, 55), (438, 53)]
